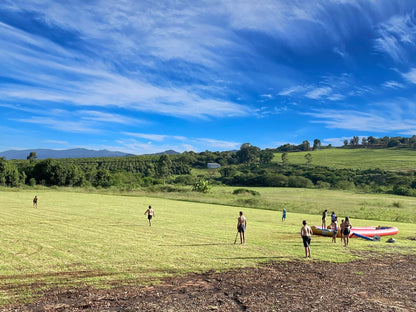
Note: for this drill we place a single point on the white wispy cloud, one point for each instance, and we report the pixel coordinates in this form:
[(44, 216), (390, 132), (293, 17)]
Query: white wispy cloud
[(65, 78), (410, 76), (156, 144), (318, 93), (383, 117), (393, 84), (156, 137), (208, 142), (61, 125), (56, 142), (293, 90), (219, 144), (108, 117), (396, 36), (330, 88)]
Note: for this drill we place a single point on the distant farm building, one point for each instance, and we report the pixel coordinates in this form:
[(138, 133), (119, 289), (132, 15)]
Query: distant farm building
[(213, 165)]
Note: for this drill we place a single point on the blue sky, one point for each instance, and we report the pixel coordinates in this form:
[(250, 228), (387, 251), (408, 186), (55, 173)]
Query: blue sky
[(148, 76)]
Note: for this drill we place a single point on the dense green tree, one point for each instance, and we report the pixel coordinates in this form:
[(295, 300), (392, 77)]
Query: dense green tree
[(163, 167), (371, 140), (316, 144), (305, 146), (266, 156), (102, 178), (248, 153), (227, 171), (364, 142), (9, 175), (393, 142), (355, 141)]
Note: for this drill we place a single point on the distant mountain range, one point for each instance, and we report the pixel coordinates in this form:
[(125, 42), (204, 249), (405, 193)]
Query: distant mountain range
[(69, 153)]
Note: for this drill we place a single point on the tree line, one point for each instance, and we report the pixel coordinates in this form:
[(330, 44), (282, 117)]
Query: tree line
[(354, 142)]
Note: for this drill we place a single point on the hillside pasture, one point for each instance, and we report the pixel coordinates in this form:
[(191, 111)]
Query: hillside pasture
[(363, 158), (74, 239)]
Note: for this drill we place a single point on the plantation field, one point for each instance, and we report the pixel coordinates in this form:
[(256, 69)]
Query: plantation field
[(385, 159), (75, 238)]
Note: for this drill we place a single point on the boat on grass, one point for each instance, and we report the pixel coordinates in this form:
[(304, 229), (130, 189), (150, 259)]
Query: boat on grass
[(368, 231)]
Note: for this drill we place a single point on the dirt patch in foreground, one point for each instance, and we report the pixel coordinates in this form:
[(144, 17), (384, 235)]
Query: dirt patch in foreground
[(382, 283)]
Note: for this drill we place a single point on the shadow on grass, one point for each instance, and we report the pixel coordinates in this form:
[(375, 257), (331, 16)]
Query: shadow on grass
[(256, 258), (196, 245)]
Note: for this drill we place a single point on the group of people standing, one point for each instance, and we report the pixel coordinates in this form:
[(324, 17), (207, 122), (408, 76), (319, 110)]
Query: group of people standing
[(344, 227)]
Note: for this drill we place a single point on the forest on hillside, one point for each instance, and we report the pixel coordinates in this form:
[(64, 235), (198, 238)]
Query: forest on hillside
[(249, 166)]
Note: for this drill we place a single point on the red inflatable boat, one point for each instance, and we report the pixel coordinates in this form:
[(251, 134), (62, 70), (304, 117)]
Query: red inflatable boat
[(368, 231)]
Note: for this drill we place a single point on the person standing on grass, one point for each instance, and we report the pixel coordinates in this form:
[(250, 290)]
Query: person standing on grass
[(333, 216), (334, 226), (324, 214), (284, 214), (347, 231), (241, 227), (342, 228), (306, 233), (35, 201), (150, 213)]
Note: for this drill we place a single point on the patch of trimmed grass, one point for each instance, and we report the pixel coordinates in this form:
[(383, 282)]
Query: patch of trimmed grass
[(362, 158), (104, 239)]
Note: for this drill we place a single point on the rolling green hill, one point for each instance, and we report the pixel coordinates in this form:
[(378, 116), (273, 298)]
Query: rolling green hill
[(386, 159)]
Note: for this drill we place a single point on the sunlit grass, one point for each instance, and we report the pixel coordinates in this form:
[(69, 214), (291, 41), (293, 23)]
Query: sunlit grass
[(104, 239), (362, 158), (378, 207)]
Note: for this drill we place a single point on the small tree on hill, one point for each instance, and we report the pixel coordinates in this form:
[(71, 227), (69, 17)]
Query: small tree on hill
[(285, 159), (308, 158), (32, 157)]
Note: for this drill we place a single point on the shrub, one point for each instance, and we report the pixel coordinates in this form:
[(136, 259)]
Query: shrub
[(299, 181), (323, 185), (245, 191), (397, 204), (202, 186)]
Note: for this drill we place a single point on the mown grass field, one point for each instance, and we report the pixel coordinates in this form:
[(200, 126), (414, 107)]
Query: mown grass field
[(377, 207), (363, 158), (74, 238)]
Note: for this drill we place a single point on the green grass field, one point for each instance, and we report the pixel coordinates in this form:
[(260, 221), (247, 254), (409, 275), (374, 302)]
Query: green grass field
[(386, 159), (75, 238), (378, 207)]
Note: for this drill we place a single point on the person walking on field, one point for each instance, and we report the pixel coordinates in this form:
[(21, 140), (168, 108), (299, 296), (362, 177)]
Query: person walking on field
[(306, 233), (241, 227), (284, 214), (347, 231), (35, 202), (150, 213), (324, 214)]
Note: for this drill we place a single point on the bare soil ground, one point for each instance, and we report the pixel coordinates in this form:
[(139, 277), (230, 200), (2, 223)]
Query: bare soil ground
[(376, 283)]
